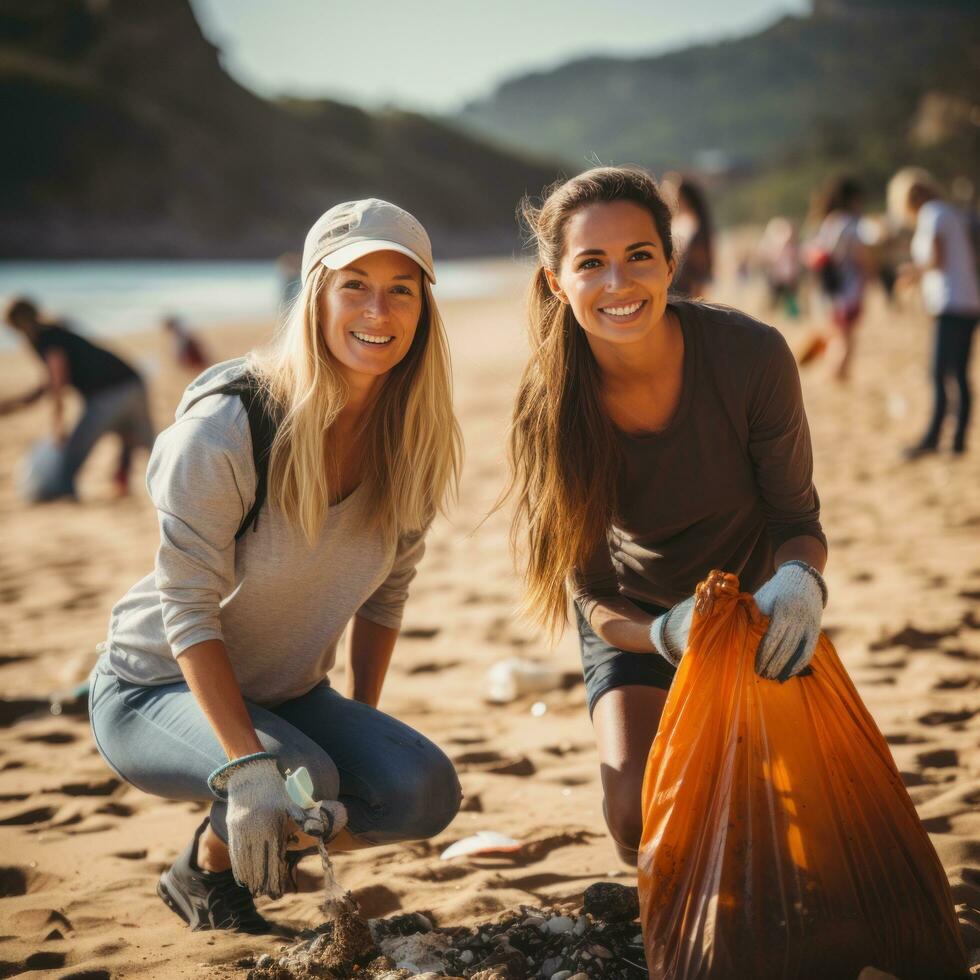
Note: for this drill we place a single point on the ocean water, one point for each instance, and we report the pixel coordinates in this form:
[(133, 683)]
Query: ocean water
[(103, 299)]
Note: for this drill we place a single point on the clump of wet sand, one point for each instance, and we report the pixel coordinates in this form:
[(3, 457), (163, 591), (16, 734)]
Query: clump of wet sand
[(599, 938)]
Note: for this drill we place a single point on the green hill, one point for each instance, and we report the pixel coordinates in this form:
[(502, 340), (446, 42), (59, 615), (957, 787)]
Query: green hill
[(126, 138), (845, 86)]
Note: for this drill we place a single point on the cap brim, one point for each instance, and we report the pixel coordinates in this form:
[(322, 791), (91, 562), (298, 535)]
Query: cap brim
[(343, 256)]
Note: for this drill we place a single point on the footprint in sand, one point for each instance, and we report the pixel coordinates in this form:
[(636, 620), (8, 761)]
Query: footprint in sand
[(913, 638), (12, 710), (958, 683), (48, 924), (52, 738), (494, 762), (102, 787), (419, 633), (947, 717), (432, 667), (904, 738), (17, 880), (959, 653), (939, 758), (24, 818)]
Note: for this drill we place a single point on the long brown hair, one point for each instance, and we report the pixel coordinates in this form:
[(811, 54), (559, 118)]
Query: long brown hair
[(564, 457)]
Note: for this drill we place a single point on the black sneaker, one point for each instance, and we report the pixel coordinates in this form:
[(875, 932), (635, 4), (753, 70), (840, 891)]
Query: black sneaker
[(209, 899)]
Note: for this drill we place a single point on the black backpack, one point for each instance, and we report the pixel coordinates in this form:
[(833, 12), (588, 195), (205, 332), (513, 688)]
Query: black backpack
[(263, 421)]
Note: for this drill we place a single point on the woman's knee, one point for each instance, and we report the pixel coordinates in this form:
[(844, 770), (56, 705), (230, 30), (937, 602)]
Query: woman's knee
[(422, 795), (624, 817)]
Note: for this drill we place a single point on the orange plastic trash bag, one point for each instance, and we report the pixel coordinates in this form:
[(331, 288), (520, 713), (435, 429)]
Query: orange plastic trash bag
[(778, 840)]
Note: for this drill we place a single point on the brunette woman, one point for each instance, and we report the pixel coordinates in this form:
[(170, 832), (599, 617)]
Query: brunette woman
[(653, 440)]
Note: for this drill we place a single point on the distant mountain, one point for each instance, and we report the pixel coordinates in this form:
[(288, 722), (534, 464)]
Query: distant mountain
[(857, 71), (124, 137)]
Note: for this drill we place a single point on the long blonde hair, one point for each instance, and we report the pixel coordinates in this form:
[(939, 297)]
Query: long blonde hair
[(564, 457), (412, 443)]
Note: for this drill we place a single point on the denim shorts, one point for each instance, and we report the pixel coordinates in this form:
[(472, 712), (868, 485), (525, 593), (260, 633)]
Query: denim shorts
[(606, 666)]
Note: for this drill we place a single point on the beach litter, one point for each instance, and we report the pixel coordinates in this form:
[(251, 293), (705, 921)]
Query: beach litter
[(483, 842), (509, 679), (598, 938)]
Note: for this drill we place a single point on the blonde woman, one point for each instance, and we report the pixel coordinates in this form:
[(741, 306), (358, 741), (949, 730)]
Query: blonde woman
[(294, 492), (652, 442)]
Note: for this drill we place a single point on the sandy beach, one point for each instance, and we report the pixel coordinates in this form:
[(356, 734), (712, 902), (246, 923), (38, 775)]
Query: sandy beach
[(80, 853)]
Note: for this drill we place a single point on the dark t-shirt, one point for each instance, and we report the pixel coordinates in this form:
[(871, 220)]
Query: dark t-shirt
[(727, 481), (91, 369)]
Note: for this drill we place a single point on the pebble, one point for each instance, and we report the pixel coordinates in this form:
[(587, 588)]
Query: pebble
[(550, 966), (559, 924), (264, 960), (561, 975), (581, 924), (466, 956)]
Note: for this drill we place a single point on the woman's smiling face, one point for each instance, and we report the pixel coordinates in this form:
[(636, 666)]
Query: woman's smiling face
[(613, 271), (369, 312)]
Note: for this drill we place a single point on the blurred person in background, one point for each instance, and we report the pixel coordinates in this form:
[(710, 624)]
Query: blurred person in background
[(693, 234), (294, 493), (944, 264), (187, 349), (842, 264), (113, 395), (779, 256)]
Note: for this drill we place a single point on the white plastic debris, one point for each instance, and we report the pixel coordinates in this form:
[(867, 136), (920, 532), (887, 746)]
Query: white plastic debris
[(482, 842), (539, 709), (508, 679)]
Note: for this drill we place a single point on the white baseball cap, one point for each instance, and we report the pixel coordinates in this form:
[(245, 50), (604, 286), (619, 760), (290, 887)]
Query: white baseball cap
[(356, 228)]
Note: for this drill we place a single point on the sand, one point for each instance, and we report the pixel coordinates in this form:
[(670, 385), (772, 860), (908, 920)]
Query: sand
[(80, 853)]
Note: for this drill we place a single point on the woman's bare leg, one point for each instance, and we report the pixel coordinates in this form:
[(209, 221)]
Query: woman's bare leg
[(625, 721)]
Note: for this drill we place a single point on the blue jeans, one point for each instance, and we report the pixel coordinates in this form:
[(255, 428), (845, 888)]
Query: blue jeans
[(951, 359), (395, 783), (122, 409)]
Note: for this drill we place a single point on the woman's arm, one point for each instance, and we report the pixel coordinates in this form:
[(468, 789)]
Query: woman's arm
[(371, 647), (622, 624), (804, 548), (212, 681)]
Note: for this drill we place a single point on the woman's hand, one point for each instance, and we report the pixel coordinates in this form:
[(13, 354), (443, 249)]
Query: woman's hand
[(794, 600), (261, 819)]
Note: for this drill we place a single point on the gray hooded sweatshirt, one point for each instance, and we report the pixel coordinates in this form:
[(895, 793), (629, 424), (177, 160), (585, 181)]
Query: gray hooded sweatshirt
[(279, 604)]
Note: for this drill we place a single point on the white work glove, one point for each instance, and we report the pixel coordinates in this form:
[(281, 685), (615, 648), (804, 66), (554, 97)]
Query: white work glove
[(794, 600), (260, 821), (670, 630)]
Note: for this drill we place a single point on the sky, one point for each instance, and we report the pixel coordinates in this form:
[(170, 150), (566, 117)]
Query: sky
[(435, 55)]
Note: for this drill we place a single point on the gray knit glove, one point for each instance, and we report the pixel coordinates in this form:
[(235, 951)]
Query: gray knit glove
[(260, 819), (794, 600), (669, 631)]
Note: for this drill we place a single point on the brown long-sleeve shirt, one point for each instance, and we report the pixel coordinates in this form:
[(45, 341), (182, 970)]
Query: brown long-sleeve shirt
[(725, 484)]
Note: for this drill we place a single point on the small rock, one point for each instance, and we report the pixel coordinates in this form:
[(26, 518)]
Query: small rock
[(611, 902), (581, 924), (561, 975), (559, 924), (466, 956), (600, 951), (550, 965), (263, 961)]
